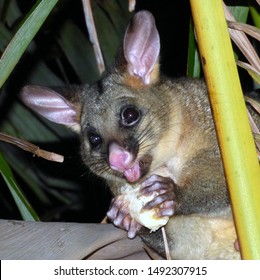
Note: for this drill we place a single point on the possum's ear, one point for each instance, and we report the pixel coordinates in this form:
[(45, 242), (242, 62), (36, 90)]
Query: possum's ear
[(141, 49), (51, 105)]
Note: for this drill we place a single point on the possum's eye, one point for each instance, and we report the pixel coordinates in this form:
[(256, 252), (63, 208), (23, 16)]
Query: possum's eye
[(94, 139), (130, 116)]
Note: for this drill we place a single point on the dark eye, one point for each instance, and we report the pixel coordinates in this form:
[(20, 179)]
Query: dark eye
[(130, 116), (94, 140)]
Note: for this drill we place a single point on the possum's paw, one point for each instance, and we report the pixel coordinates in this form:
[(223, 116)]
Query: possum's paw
[(120, 216), (162, 190), (149, 204)]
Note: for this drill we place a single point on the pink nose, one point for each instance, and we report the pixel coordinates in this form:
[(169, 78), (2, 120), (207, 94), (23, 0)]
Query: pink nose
[(119, 158)]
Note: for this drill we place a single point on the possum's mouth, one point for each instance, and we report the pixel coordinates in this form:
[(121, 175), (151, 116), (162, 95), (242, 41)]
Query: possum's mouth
[(129, 165), (139, 169), (133, 174)]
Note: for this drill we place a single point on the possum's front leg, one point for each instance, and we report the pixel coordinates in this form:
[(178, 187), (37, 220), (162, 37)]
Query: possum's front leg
[(149, 204)]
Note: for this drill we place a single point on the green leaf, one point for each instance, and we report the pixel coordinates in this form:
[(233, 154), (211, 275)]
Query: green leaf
[(108, 37), (24, 36), (79, 52), (239, 12), (194, 65), (43, 75), (23, 205), (118, 15), (255, 13), (10, 12)]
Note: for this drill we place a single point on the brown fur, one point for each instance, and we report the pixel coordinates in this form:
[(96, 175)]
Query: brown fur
[(182, 146)]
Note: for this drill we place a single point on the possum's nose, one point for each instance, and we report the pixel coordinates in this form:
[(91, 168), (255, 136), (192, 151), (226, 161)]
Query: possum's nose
[(119, 158), (123, 161)]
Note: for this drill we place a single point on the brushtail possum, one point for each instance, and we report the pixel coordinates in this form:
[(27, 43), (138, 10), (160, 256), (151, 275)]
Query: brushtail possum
[(138, 128)]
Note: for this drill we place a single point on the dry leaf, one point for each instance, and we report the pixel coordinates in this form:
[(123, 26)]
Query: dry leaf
[(255, 104), (251, 70), (29, 147), (242, 42), (247, 28), (67, 241)]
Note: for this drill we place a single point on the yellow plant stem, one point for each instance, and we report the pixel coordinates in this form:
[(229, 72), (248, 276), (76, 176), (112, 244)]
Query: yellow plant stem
[(233, 130)]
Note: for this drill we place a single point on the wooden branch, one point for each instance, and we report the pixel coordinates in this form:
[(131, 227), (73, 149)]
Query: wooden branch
[(29, 147)]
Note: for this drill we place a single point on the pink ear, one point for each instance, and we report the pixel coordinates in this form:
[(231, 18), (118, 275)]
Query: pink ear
[(142, 46), (50, 105)]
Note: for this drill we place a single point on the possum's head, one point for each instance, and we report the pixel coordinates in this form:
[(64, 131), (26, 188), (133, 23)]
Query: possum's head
[(120, 119)]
